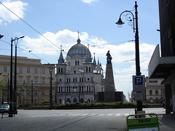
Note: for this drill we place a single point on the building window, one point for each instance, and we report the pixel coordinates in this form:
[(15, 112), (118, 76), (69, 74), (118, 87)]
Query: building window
[(20, 79), (61, 70), (43, 70), (150, 92), (81, 79), (74, 79), (76, 62), (87, 88), (156, 92), (36, 80), (28, 69), (74, 89), (68, 80), (152, 81), (60, 89), (5, 69), (68, 89), (36, 70), (89, 69), (80, 88), (20, 69), (43, 80), (28, 79)]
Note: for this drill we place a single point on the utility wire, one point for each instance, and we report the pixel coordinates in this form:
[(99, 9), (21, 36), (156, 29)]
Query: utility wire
[(34, 29), (26, 50)]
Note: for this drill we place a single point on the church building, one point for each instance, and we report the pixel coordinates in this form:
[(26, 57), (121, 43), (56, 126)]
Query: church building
[(79, 78)]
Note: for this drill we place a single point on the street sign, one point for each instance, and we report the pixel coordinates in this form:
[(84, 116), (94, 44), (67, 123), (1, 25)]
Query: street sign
[(138, 87), (138, 80)]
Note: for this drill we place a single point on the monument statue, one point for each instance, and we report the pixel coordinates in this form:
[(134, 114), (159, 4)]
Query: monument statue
[(109, 57)]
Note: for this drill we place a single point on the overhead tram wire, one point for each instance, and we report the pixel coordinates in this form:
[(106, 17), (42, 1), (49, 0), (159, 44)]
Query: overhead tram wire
[(29, 25), (26, 50)]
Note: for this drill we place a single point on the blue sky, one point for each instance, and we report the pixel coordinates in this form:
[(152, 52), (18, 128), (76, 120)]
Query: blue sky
[(59, 21)]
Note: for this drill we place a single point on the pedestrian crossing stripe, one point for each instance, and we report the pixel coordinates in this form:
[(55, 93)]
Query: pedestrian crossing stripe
[(83, 114)]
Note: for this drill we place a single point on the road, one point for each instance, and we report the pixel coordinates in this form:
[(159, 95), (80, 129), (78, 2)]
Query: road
[(70, 120)]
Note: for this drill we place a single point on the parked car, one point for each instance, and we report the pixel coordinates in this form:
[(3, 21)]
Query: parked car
[(4, 108)]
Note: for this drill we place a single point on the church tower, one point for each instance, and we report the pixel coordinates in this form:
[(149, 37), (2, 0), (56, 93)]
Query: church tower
[(109, 89)]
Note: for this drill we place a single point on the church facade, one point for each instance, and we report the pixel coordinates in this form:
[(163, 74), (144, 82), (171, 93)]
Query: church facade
[(78, 77)]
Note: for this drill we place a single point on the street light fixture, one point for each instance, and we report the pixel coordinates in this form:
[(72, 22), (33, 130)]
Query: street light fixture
[(13, 87), (1, 36), (15, 71), (131, 17)]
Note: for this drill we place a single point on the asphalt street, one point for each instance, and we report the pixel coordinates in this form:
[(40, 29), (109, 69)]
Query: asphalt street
[(72, 120)]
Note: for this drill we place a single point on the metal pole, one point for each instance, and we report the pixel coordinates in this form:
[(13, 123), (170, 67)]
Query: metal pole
[(137, 42), (15, 79), (11, 84), (138, 73), (32, 92), (55, 94), (50, 70), (8, 90)]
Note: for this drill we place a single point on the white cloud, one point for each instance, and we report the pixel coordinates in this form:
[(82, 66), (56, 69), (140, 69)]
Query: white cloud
[(88, 1), (123, 54), (18, 7)]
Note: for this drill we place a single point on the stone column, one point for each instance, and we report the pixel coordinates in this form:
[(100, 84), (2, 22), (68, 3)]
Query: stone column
[(109, 90)]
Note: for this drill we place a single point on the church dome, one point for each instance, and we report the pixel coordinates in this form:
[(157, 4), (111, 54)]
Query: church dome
[(80, 50)]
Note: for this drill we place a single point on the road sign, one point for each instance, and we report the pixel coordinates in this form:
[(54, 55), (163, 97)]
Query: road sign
[(139, 80), (149, 122), (138, 87)]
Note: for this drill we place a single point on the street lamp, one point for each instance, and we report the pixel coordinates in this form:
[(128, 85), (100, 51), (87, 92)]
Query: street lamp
[(13, 87), (51, 68), (1, 36), (134, 19)]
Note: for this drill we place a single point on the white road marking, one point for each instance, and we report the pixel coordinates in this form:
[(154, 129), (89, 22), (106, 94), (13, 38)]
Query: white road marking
[(81, 114), (109, 114), (101, 114), (126, 114), (117, 115)]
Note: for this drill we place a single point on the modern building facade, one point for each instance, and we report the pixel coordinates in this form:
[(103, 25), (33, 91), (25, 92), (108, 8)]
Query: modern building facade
[(167, 27), (33, 80), (162, 63), (78, 77)]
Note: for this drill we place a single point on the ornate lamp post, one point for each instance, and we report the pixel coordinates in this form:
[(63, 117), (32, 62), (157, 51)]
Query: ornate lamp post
[(131, 17)]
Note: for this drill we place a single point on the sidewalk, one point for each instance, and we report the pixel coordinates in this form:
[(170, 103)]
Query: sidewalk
[(167, 123)]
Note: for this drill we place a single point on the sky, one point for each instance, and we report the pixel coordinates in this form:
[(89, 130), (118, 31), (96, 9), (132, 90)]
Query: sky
[(47, 25)]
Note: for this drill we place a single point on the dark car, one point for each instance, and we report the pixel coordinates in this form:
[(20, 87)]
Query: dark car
[(4, 108)]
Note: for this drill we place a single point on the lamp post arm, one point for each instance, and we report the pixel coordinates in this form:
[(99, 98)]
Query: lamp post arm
[(127, 11), (133, 18)]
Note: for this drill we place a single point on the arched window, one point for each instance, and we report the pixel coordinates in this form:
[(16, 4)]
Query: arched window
[(81, 100), (61, 70), (75, 100), (68, 100)]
